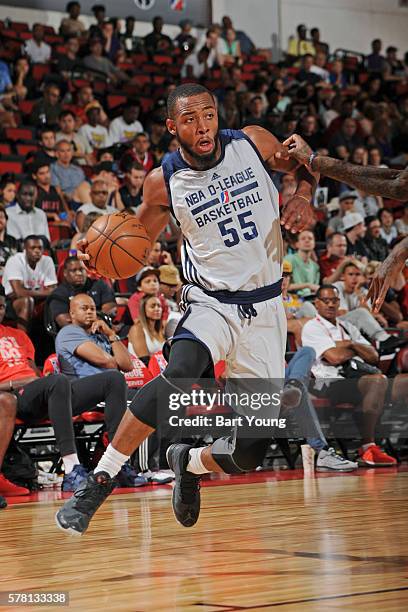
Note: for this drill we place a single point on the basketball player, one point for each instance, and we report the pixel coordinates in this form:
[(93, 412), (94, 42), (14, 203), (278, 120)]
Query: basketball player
[(218, 187), (383, 182)]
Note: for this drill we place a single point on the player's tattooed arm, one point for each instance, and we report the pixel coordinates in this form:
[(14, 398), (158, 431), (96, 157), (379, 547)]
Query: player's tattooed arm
[(297, 213), (154, 212), (387, 274), (377, 181)]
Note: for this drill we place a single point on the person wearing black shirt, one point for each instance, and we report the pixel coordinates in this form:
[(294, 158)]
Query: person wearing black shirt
[(376, 245), (75, 282), (8, 244), (156, 42), (355, 230), (130, 194), (48, 198)]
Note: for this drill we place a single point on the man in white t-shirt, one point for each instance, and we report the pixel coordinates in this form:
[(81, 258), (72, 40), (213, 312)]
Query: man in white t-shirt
[(99, 203), (29, 278), (337, 344), (125, 127), (36, 49), (94, 134), (25, 219)]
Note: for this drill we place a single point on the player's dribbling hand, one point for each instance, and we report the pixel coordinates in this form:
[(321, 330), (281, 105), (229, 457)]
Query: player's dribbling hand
[(297, 214), (81, 251)]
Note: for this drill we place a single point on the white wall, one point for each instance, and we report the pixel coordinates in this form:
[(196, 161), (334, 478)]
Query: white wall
[(350, 24), (258, 18)]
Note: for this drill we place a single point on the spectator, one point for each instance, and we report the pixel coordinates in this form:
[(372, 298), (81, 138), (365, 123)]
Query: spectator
[(112, 42), (246, 44), (6, 84), (376, 245), (305, 271), (147, 283), (48, 109), (346, 202), (93, 134), (24, 219), (159, 137), (47, 146), (335, 344), (128, 38), (72, 25), (104, 171), (375, 62), (332, 259), (125, 127), (346, 138), (318, 66), (394, 69), (233, 48), (375, 157), (297, 311), (130, 194), (228, 110), (66, 176), (48, 198), (170, 283), (337, 76), (355, 230), (140, 152), (256, 114), (24, 84), (310, 132), (299, 46), (146, 336), (156, 41), (305, 74), (185, 40), (75, 281), (96, 62), (99, 203), (216, 46), (99, 12), (85, 97), (35, 48), (29, 277), (368, 205), (8, 190), (196, 64), (8, 244), (68, 61), (402, 223), (317, 43), (68, 132), (388, 230)]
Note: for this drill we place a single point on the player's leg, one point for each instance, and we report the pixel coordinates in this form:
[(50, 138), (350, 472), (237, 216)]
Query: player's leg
[(188, 359)]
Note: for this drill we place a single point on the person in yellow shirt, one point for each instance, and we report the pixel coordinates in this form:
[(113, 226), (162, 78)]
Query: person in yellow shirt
[(300, 46)]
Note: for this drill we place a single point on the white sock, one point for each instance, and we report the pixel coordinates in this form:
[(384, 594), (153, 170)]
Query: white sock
[(111, 461), (381, 336), (69, 461), (365, 446), (195, 465)]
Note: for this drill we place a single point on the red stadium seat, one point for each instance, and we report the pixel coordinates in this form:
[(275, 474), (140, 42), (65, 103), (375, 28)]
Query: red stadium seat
[(115, 100), (19, 26), (11, 166), (59, 232), (61, 254), (40, 71), (23, 149), (18, 133), (26, 106), (162, 59), (5, 148)]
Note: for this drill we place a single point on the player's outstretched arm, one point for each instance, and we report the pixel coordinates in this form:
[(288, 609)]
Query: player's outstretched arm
[(154, 212), (377, 181), (387, 274), (297, 213)]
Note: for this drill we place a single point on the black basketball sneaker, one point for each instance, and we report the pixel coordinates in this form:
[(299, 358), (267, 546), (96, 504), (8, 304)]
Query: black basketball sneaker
[(186, 492), (75, 515)]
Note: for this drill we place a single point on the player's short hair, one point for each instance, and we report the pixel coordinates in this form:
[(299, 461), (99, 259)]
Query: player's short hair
[(326, 286), (185, 91)]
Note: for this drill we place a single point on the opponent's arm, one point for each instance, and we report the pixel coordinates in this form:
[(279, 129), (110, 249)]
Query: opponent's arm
[(387, 274), (297, 213), (376, 181)]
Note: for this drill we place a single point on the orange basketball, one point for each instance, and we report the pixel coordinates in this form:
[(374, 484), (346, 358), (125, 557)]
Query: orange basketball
[(118, 245)]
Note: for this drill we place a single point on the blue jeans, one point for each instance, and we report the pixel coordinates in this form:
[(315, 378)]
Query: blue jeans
[(299, 368)]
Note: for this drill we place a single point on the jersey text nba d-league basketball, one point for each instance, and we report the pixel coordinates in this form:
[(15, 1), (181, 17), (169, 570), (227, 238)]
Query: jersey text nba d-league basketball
[(231, 257), (229, 217)]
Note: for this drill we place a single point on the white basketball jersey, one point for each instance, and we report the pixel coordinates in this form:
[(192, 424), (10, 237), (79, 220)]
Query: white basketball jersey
[(229, 217)]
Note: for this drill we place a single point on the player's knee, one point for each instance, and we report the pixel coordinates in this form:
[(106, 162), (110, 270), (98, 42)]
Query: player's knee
[(115, 378), (59, 382)]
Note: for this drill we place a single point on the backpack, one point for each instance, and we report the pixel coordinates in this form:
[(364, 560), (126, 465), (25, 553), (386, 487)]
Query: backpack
[(20, 468)]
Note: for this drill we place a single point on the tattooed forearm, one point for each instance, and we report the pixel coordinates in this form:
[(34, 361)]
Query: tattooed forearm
[(377, 181)]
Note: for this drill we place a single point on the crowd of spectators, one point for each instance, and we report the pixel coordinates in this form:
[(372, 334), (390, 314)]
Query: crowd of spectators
[(82, 122)]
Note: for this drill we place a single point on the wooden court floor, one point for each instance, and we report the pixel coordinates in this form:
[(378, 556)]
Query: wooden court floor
[(263, 542)]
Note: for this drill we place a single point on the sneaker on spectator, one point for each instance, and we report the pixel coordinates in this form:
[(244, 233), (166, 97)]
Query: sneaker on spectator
[(9, 489), (3, 503), (72, 480), (375, 457), (158, 477), (329, 461), (128, 477)]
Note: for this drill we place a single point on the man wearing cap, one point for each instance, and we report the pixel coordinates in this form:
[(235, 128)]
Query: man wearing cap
[(170, 282), (355, 230), (94, 134), (346, 202), (147, 283)]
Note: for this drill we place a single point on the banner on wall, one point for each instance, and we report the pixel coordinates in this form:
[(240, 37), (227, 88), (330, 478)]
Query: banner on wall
[(197, 11)]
